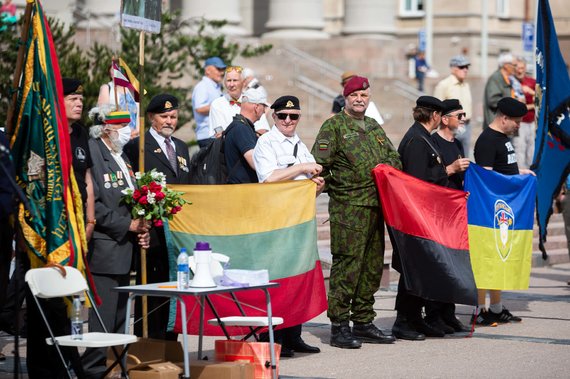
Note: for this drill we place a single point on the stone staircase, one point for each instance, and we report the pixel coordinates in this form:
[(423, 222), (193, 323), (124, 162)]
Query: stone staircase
[(556, 245)]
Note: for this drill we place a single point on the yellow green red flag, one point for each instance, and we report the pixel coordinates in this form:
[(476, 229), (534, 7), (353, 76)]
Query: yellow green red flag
[(259, 226)]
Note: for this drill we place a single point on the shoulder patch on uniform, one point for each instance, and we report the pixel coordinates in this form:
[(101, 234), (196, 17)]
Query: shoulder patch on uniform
[(323, 144)]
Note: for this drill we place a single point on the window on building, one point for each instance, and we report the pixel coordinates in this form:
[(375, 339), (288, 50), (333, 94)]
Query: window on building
[(503, 8), (411, 8)]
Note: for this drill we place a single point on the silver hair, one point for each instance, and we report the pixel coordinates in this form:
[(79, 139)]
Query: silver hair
[(98, 115), (505, 58)]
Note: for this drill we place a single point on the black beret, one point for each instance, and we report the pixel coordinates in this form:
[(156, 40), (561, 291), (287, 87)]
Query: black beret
[(162, 103), (451, 105), (286, 102), (72, 86), (430, 102), (511, 107)]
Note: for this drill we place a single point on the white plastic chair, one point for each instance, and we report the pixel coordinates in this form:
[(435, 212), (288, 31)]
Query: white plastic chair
[(49, 282), (254, 323)]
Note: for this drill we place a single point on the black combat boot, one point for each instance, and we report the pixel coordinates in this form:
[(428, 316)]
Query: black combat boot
[(341, 336), (369, 333), (402, 330)]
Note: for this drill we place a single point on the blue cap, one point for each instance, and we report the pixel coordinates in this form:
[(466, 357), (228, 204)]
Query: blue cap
[(215, 61)]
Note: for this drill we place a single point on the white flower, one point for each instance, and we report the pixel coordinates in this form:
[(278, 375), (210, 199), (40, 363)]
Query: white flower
[(127, 191), (141, 212), (151, 198), (138, 175)]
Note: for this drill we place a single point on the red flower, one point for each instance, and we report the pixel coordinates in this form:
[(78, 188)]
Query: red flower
[(178, 208), (144, 190), (173, 211), (155, 187), (136, 194), (157, 223), (143, 200), (159, 196)]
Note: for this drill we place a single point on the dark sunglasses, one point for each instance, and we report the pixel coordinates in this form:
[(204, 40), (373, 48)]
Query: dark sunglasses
[(459, 116), (292, 116), (463, 67)]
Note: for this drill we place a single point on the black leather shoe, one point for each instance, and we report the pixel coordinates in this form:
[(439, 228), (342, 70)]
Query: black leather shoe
[(286, 352), (456, 324), (301, 346), (369, 333), (422, 327), (341, 336), (402, 330), (438, 323)]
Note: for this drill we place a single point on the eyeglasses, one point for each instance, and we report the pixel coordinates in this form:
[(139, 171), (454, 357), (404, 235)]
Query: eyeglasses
[(238, 69), (292, 116), (466, 67), (460, 116)]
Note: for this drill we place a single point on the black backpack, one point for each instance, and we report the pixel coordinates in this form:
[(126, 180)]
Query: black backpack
[(208, 166)]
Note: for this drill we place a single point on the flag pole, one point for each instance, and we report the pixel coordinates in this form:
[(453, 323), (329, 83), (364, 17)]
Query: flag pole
[(19, 64), (114, 84), (141, 170)]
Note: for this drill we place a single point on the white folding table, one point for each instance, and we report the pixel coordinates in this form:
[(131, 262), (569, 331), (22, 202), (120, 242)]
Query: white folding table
[(168, 289)]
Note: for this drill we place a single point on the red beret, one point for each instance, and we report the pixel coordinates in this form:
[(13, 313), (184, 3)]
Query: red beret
[(356, 83)]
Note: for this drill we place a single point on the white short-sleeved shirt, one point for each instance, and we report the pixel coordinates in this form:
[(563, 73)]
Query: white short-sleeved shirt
[(222, 114), (275, 151)]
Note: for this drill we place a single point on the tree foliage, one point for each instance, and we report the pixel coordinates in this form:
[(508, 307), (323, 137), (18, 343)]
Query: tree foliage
[(171, 57)]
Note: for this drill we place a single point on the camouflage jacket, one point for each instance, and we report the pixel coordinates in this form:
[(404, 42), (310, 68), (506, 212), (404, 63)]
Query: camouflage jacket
[(348, 154)]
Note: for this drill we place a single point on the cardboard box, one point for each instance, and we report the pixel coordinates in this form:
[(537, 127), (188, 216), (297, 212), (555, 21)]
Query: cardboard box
[(147, 351), (217, 370), (162, 370)]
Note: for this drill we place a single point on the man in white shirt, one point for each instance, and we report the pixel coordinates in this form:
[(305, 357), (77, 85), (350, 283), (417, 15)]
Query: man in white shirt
[(223, 109), (280, 155), (455, 87)]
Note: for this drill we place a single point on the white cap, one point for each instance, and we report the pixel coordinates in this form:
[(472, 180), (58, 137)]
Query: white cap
[(255, 95)]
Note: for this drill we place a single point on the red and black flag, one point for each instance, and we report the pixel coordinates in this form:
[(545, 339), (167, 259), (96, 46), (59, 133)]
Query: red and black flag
[(428, 228)]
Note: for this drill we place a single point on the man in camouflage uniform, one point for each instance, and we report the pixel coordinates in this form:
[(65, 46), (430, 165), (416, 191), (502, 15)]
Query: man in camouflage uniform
[(348, 146)]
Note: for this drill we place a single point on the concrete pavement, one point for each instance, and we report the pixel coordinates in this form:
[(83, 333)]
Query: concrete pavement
[(539, 347)]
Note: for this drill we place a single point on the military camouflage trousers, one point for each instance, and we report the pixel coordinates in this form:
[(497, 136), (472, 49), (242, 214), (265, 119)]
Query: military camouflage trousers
[(357, 246)]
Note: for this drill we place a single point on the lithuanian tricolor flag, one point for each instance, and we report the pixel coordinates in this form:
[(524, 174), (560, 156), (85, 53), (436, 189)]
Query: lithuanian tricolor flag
[(500, 213), (259, 226), (53, 228)]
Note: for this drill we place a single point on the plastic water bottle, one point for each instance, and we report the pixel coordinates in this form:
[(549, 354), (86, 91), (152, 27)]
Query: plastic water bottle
[(183, 270), (76, 320)]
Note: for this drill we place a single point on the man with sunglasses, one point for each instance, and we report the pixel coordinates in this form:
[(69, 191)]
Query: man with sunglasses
[(281, 155), (456, 87), (223, 109), (348, 146), (241, 138), (206, 91), (450, 148)]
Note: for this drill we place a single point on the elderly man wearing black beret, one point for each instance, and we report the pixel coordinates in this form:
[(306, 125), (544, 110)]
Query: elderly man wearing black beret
[(280, 155), (169, 155), (494, 151)]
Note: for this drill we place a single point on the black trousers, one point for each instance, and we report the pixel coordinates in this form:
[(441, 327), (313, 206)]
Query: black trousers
[(43, 361), (158, 271), (407, 304)]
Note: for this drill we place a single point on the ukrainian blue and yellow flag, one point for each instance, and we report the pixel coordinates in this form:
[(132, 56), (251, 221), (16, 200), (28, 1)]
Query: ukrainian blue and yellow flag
[(500, 212)]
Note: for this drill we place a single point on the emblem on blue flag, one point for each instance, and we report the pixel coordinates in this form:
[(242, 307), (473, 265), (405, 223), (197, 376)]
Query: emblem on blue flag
[(504, 224)]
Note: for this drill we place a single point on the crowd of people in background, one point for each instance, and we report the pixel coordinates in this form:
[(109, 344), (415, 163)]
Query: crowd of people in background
[(262, 145)]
